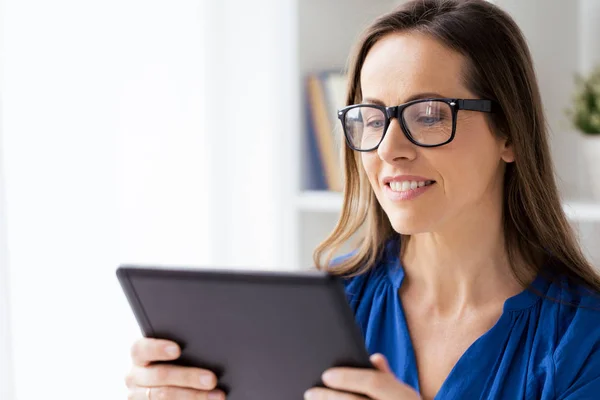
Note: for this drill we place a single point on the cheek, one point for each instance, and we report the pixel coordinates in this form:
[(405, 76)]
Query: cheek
[(371, 164), (470, 163)]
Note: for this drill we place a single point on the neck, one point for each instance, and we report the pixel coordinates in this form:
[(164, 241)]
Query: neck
[(461, 265)]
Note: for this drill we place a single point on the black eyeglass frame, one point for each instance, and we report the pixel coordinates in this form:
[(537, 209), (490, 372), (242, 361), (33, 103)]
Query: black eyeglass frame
[(480, 105)]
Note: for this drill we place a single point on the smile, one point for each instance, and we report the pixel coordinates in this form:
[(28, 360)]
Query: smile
[(405, 186)]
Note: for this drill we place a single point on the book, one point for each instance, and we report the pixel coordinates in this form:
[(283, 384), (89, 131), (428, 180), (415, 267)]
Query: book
[(326, 93), (315, 173)]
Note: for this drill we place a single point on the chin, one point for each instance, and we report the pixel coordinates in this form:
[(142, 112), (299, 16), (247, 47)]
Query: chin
[(407, 223), (407, 229)]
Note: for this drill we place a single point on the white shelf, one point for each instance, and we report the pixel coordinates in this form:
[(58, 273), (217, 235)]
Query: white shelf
[(331, 202), (583, 211), (319, 201)]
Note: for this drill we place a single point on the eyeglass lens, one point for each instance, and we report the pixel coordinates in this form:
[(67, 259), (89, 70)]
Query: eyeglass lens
[(428, 123)]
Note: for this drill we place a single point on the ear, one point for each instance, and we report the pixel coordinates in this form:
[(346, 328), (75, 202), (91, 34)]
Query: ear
[(507, 152)]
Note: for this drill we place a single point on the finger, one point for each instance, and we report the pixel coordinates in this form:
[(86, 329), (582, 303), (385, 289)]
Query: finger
[(173, 375), (381, 363), (141, 393), (356, 380), (372, 383), (147, 350), (328, 394)]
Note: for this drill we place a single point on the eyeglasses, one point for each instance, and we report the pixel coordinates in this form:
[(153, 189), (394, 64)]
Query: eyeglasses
[(425, 122)]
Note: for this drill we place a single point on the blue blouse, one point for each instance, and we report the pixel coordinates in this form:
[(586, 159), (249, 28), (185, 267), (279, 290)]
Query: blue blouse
[(538, 349)]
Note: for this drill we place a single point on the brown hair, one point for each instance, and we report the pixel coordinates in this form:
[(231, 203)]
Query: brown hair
[(537, 233)]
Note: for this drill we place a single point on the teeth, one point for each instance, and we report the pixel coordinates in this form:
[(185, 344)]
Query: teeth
[(407, 185)]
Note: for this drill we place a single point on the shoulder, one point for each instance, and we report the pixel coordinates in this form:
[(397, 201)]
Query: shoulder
[(576, 308), (575, 313), (356, 283), (384, 273)]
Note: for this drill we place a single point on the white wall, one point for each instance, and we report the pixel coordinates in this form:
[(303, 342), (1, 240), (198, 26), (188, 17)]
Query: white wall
[(113, 154), (67, 65), (156, 113), (589, 34), (6, 361), (248, 53), (6, 372)]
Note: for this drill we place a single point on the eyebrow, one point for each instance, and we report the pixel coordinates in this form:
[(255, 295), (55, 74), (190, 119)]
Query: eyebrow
[(416, 96)]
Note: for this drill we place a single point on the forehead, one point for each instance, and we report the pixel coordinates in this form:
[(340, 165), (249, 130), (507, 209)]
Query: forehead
[(401, 65)]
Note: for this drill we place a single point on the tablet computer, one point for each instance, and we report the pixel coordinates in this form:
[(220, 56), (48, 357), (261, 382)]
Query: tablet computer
[(266, 335)]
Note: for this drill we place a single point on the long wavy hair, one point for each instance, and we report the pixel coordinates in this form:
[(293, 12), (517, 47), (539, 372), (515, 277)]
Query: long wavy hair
[(537, 233)]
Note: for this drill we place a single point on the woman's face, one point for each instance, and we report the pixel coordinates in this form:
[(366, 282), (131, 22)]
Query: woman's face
[(467, 173)]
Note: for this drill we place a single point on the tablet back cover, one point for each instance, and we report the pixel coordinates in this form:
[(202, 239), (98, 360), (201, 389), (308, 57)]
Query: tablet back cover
[(267, 336)]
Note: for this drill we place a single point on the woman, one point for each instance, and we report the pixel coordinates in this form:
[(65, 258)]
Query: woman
[(468, 282)]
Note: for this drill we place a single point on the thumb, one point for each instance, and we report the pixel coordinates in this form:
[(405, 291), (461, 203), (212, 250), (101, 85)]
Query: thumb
[(380, 362)]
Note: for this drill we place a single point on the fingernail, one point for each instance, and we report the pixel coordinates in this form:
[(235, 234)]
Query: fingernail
[(309, 395), (215, 396), (172, 350), (330, 376), (206, 380)]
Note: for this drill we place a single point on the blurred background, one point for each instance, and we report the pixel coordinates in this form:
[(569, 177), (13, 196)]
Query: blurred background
[(194, 133)]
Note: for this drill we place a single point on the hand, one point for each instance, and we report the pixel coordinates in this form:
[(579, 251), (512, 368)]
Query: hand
[(378, 384), (166, 381)]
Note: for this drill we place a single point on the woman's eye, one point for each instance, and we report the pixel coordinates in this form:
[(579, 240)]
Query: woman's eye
[(375, 123), (430, 119)]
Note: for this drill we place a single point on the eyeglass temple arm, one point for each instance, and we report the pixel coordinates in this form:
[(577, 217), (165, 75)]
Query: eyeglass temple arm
[(475, 105)]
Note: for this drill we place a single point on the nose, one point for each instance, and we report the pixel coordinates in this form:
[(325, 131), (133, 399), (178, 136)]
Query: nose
[(395, 145)]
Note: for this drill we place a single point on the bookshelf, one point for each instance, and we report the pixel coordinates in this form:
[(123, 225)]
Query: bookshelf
[(583, 211), (322, 43)]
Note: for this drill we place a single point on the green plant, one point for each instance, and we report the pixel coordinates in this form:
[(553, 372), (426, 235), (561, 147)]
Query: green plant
[(585, 113)]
